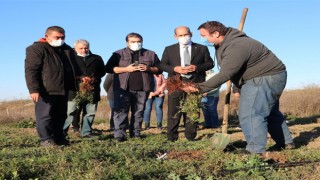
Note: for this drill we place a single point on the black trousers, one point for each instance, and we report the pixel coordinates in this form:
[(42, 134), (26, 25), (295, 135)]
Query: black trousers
[(51, 114), (174, 117)]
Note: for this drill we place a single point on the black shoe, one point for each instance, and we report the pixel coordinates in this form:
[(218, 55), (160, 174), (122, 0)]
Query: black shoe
[(147, 126), (87, 136), (159, 126), (278, 147), (48, 143), (137, 137), (242, 152), (76, 129), (119, 139), (63, 142), (172, 140)]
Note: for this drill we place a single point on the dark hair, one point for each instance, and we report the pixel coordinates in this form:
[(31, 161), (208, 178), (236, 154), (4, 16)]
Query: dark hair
[(213, 26), (133, 34), (55, 28)]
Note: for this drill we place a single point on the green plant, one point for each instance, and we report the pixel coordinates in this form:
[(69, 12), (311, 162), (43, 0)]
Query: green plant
[(85, 93), (191, 103), (26, 124)]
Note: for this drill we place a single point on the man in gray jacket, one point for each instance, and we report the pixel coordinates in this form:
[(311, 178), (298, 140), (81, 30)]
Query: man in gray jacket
[(133, 69), (261, 76)]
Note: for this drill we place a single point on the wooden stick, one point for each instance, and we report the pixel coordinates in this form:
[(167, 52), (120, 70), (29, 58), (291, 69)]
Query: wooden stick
[(228, 91)]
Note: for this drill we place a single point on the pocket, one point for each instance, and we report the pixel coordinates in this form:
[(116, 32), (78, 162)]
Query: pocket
[(124, 62), (257, 81), (146, 61)]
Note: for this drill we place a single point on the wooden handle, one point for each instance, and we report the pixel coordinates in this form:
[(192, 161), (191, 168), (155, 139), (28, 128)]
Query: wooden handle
[(228, 91), (243, 19)]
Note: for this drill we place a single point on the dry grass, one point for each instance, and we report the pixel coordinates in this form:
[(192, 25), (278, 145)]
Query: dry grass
[(302, 103), (11, 111)]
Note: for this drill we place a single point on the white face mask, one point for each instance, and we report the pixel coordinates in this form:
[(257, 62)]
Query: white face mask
[(135, 46), (57, 43), (184, 40), (83, 55)]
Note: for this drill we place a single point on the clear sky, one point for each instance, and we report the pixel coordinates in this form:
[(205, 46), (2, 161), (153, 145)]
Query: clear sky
[(290, 28)]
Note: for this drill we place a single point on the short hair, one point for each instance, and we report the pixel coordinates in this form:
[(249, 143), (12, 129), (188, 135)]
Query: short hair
[(133, 34), (175, 29), (81, 41), (213, 26), (55, 28)]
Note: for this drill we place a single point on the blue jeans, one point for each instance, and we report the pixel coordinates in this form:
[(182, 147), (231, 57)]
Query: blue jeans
[(210, 113), (259, 112), (88, 114), (158, 101)]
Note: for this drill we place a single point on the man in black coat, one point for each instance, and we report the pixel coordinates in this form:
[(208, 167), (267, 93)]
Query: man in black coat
[(50, 75), (91, 70), (190, 61)]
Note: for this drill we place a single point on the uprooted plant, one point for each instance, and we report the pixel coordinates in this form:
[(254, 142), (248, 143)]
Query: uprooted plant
[(85, 92), (191, 104)]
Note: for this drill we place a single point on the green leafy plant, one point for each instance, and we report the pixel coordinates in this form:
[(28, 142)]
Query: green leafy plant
[(191, 104), (26, 124)]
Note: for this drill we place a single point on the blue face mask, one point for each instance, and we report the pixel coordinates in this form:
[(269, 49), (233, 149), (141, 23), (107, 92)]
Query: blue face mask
[(206, 42)]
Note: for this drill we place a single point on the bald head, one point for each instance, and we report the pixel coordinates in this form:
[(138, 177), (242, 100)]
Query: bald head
[(181, 32), (182, 28)]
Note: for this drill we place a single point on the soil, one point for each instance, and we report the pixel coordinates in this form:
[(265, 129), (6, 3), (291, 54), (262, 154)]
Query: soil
[(304, 135)]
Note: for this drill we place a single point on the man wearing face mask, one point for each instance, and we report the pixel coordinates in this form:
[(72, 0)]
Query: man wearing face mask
[(191, 61), (260, 75), (133, 68), (91, 68), (50, 75)]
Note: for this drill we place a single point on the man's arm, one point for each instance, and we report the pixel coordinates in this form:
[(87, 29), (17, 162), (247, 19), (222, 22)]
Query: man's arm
[(33, 69), (165, 64)]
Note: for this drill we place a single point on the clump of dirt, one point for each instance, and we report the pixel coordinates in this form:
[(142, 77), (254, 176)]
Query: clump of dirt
[(186, 155), (279, 157)]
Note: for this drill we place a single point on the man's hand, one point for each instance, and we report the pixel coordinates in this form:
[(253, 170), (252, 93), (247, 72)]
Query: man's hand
[(132, 68), (237, 96), (35, 97), (181, 70), (86, 80), (151, 95), (189, 89), (143, 67), (204, 94), (191, 68)]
